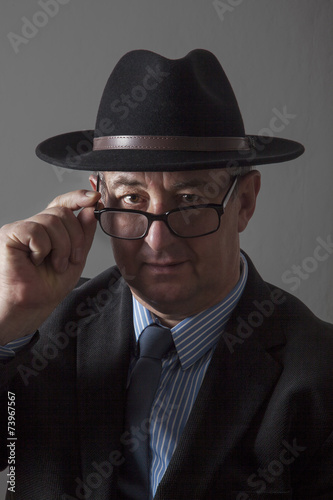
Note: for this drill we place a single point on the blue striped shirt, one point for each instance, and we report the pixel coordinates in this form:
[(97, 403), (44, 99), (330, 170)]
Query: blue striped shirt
[(183, 371), (9, 350)]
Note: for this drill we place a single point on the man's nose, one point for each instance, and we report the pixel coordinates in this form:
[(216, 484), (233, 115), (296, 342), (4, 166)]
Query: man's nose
[(159, 236)]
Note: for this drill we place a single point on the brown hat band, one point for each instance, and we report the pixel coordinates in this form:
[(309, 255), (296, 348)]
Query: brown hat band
[(175, 143)]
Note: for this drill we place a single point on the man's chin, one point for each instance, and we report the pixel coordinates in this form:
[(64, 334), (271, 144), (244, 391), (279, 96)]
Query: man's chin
[(164, 297)]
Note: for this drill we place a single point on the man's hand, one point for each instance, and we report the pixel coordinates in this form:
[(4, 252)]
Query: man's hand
[(41, 260)]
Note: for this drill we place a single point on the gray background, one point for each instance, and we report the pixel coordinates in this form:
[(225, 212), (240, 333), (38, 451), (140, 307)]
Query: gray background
[(277, 54)]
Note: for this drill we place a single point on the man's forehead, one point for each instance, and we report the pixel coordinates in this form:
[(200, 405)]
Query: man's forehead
[(195, 178)]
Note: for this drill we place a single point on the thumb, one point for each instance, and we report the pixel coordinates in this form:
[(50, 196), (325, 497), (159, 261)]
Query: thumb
[(76, 199)]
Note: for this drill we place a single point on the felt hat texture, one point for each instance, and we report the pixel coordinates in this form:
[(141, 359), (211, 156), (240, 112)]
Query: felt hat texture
[(159, 114)]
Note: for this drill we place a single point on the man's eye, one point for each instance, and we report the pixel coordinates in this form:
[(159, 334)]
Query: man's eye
[(191, 199), (131, 198)]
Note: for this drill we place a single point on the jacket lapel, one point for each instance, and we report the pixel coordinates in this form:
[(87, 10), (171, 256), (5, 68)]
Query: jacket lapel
[(240, 377), (103, 353)]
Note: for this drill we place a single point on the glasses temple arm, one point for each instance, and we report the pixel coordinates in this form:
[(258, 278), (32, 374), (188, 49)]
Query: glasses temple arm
[(229, 193), (97, 190)]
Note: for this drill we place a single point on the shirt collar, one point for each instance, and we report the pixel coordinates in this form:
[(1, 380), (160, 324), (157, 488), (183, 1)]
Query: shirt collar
[(196, 335)]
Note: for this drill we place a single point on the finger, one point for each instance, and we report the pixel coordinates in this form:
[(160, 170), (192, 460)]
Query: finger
[(61, 245), (76, 199), (57, 232), (74, 230), (31, 238), (73, 245)]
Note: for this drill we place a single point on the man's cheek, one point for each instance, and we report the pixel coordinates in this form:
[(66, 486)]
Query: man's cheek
[(127, 259)]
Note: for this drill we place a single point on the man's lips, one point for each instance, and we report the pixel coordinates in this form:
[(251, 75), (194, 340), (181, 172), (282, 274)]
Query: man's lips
[(165, 265)]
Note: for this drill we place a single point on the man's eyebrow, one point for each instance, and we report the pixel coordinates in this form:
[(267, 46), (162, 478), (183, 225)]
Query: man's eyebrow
[(191, 183)]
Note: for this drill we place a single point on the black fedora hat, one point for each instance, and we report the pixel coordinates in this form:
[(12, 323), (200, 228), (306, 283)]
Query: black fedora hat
[(159, 114)]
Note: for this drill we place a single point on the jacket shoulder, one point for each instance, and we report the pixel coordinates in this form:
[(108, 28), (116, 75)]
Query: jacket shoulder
[(296, 317)]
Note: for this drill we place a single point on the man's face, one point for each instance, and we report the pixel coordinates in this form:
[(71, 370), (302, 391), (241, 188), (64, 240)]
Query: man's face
[(178, 277)]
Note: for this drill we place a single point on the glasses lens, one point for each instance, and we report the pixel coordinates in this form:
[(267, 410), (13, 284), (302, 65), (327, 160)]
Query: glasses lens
[(124, 225), (194, 221)]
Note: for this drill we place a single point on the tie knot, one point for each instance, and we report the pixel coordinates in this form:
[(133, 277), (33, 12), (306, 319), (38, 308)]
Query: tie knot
[(155, 342)]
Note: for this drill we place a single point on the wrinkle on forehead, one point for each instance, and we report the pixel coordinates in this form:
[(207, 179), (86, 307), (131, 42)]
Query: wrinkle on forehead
[(169, 180)]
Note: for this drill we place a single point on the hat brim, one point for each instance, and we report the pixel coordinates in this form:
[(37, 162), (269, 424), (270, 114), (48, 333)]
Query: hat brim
[(74, 150)]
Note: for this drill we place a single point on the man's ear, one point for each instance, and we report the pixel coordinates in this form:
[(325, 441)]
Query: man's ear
[(93, 181), (248, 189)]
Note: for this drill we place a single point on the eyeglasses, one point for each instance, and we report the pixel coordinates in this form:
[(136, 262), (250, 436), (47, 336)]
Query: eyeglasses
[(186, 222)]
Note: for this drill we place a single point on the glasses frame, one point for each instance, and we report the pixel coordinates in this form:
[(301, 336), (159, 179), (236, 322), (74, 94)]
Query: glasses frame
[(218, 207)]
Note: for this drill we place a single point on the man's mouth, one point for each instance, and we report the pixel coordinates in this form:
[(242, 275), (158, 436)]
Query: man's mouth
[(165, 266)]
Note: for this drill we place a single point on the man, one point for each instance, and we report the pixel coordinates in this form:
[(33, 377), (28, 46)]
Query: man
[(238, 402)]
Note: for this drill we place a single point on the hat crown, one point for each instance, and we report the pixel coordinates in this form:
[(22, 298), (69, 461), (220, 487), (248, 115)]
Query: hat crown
[(147, 94)]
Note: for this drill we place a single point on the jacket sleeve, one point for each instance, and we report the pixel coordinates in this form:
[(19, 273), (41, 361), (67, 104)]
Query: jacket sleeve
[(8, 372), (316, 482)]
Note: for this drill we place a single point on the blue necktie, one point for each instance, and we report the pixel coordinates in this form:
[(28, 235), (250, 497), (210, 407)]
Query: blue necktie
[(134, 475)]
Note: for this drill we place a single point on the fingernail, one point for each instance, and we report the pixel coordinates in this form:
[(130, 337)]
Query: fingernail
[(78, 255), (90, 194)]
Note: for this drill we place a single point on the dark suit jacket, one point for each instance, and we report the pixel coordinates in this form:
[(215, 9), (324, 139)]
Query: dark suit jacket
[(261, 426)]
